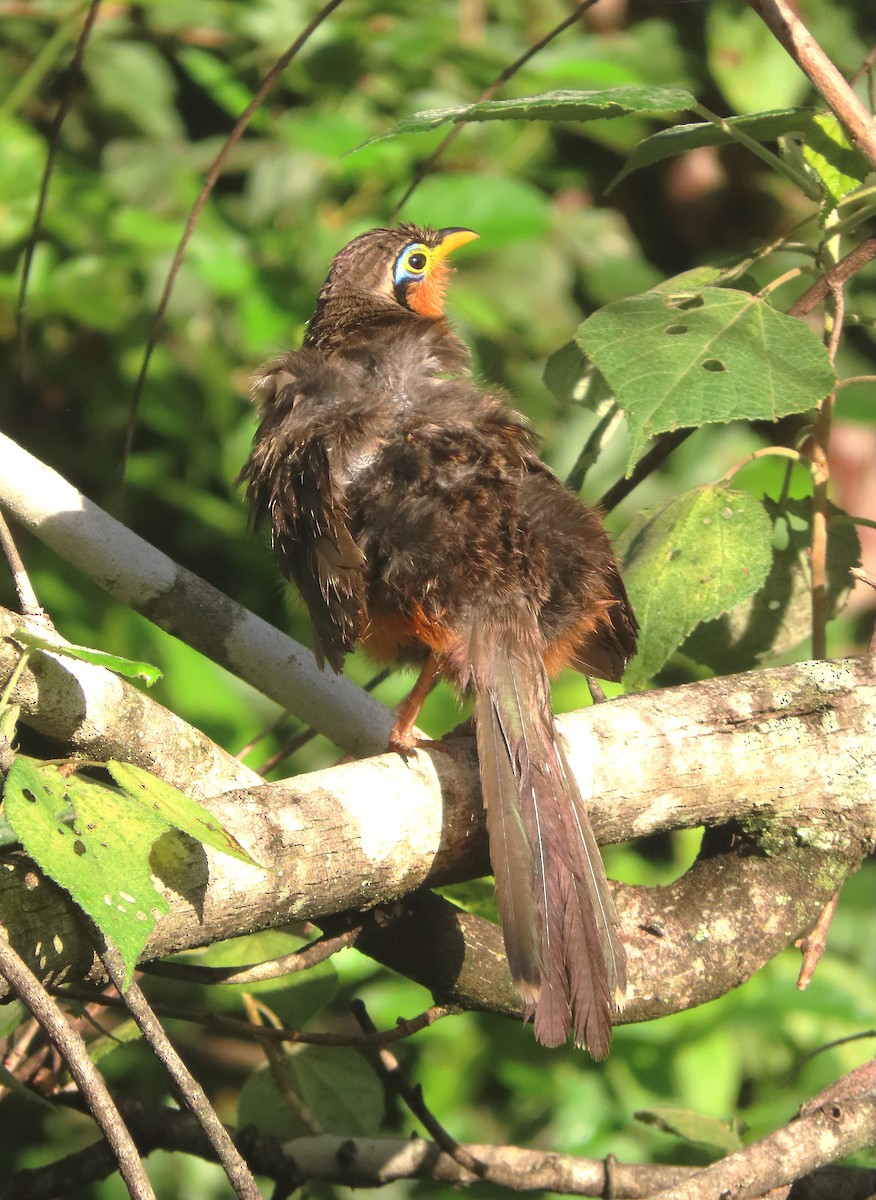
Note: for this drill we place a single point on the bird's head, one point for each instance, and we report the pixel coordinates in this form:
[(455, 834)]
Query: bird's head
[(405, 266)]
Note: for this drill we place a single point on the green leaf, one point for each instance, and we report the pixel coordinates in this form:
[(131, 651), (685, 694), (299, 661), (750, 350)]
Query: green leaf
[(763, 127), (693, 1127), (101, 856), (688, 561), (295, 998), (572, 380), (175, 809), (128, 667), (122, 1035), (12, 1015), (335, 1085), (563, 105), (713, 354), (779, 617), (828, 151)]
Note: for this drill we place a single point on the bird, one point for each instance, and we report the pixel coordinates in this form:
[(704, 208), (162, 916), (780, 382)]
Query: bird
[(407, 502)]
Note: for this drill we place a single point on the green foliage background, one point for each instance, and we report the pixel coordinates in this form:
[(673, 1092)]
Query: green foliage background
[(162, 85)]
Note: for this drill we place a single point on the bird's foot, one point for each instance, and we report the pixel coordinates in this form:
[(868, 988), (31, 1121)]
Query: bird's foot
[(404, 742)]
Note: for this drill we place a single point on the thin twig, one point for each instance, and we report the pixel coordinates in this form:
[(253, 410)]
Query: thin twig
[(487, 94), (73, 1050), (814, 943), (210, 179), (220, 1023), (277, 1057), (28, 604), (763, 452), (865, 577), (390, 1068), (299, 960), (191, 1092), (54, 141), (836, 276), (785, 25), (820, 502)]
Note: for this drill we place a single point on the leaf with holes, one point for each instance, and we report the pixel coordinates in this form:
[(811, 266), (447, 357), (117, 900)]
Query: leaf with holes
[(713, 354), (331, 1089), (175, 809), (688, 561), (563, 105), (94, 843), (779, 616)]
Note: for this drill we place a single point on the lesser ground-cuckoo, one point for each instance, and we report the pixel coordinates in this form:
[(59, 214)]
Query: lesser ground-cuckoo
[(409, 505)]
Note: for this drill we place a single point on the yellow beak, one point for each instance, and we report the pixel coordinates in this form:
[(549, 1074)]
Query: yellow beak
[(452, 239)]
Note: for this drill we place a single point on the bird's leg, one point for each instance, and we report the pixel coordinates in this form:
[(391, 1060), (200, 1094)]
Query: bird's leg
[(401, 737)]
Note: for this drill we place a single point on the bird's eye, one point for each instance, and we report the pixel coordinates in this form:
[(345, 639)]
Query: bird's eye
[(416, 261)]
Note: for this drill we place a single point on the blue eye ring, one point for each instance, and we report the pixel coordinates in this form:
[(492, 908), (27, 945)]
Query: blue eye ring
[(411, 264)]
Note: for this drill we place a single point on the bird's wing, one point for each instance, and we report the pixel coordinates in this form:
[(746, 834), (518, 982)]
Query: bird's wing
[(291, 477)]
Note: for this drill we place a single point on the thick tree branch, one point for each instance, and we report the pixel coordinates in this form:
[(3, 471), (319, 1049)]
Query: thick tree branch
[(807, 1143), (98, 715), (786, 751), (375, 1162)]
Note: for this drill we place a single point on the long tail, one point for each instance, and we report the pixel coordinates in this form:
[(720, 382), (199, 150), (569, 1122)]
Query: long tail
[(558, 918)]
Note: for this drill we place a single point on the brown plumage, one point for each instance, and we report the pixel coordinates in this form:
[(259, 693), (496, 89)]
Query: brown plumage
[(411, 509)]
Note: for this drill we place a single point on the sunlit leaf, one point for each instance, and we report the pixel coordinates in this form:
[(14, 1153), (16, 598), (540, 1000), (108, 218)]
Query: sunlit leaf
[(92, 842), (779, 616), (563, 105), (98, 658), (763, 127), (712, 354), (829, 153), (688, 561), (171, 806)]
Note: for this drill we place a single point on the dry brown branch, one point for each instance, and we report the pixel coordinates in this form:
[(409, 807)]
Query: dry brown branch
[(375, 1162), (807, 1143), (186, 1086), (786, 26), (74, 1052)]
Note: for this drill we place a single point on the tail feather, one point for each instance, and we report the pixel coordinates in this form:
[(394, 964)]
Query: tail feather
[(558, 917), (511, 850)]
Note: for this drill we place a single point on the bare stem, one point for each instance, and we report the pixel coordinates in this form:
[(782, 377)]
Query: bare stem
[(785, 25), (73, 1050), (192, 1093)]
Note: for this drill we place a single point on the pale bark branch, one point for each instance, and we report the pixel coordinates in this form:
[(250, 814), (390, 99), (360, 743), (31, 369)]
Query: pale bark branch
[(789, 1154), (379, 1161), (787, 751), (139, 575)]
